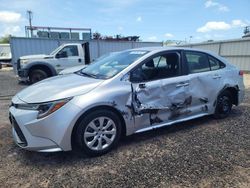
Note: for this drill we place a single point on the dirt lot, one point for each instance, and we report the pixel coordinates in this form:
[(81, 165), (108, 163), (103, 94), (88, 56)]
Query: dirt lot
[(200, 153)]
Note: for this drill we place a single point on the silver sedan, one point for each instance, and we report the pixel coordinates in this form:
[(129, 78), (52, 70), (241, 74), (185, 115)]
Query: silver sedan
[(122, 94)]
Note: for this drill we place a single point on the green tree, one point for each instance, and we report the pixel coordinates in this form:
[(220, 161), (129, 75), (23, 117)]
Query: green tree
[(97, 35), (5, 39)]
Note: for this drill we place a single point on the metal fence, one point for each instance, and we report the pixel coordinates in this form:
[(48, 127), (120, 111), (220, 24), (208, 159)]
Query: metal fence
[(236, 51), (21, 46)]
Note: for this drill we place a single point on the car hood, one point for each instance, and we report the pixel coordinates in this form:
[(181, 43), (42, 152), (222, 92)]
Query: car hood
[(72, 69), (38, 56), (58, 87)]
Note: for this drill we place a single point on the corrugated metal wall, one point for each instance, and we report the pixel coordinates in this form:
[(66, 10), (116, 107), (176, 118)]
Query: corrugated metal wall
[(21, 46), (236, 51)]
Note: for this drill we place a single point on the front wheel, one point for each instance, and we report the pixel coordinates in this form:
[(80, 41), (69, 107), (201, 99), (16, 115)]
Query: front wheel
[(224, 105), (37, 75), (98, 132)]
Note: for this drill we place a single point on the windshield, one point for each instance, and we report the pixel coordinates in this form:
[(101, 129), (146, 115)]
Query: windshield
[(112, 64), (56, 50)]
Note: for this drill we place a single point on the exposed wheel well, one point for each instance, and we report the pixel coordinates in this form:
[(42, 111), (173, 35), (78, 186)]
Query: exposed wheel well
[(41, 67), (102, 107), (234, 93)]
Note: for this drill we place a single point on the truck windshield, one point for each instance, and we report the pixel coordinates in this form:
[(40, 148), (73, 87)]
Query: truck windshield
[(112, 64), (56, 50)]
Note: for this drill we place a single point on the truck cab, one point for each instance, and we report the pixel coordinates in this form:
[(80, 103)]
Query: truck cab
[(34, 68)]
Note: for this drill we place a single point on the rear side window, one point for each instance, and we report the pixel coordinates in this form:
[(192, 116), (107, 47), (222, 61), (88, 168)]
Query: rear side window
[(197, 62), (215, 64)]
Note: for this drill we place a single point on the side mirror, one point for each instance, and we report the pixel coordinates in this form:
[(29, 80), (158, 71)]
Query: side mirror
[(61, 54), (136, 76)]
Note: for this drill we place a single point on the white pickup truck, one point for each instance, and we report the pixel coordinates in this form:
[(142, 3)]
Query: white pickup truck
[(5, 55), (34, 68)]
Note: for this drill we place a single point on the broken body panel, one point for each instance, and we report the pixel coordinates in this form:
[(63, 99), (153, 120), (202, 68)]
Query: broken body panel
[(167, 101)]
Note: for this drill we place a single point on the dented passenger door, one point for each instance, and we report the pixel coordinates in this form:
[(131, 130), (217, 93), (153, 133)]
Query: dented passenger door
[(160, 92), (205, 81)]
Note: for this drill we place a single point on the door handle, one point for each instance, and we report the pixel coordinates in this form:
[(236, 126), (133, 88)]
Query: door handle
[(58, 65), (79, 60), (216, 76), (142, 86), (182, 84)]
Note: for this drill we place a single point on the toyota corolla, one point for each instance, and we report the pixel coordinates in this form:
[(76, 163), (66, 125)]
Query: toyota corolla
[(122, 94)]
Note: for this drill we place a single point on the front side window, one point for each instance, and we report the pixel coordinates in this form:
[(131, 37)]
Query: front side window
[(160, 67), (110, 65), (68, 51), (197, 62)]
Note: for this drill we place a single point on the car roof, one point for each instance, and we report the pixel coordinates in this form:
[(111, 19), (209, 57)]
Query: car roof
[(161, 49)]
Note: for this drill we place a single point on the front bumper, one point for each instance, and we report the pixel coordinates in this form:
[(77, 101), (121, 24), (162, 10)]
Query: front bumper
[(24, 139), (23, 73), (49, 134)]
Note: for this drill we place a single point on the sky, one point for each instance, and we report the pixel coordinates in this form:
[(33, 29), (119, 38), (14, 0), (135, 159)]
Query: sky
[(152, 20)]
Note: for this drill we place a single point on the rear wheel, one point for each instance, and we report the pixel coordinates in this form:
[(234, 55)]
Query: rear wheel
[(224, 105), (98, 132), (37, 75)]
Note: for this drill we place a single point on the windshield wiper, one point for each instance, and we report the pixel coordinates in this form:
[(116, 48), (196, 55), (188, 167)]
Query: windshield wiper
[(86, 74)]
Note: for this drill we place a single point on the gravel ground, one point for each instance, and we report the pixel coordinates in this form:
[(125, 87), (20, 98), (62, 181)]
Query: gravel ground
[(200, 153)]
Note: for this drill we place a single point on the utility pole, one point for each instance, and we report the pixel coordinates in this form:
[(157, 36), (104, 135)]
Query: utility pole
[(30, 17), (190, 37)]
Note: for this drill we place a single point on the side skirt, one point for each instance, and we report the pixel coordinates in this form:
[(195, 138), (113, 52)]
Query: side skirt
[(171, 123)]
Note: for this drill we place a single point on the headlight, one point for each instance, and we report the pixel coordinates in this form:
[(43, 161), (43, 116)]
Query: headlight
[(24, 62), (44, 109)]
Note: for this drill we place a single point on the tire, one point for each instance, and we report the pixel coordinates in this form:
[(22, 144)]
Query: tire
[(96, 138), (224, 105), (37, 75)]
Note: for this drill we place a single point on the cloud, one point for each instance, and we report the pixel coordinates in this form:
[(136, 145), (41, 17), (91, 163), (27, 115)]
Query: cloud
[(10, 23), (213, 25), (169, 35), (210, 26), (7, 17), (139, 19), (239, 23), (12, 30), (152, 38), (218, 6)]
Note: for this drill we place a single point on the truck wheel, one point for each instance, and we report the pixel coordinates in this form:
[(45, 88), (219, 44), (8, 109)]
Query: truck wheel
[(98, 132), (37, 75)]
